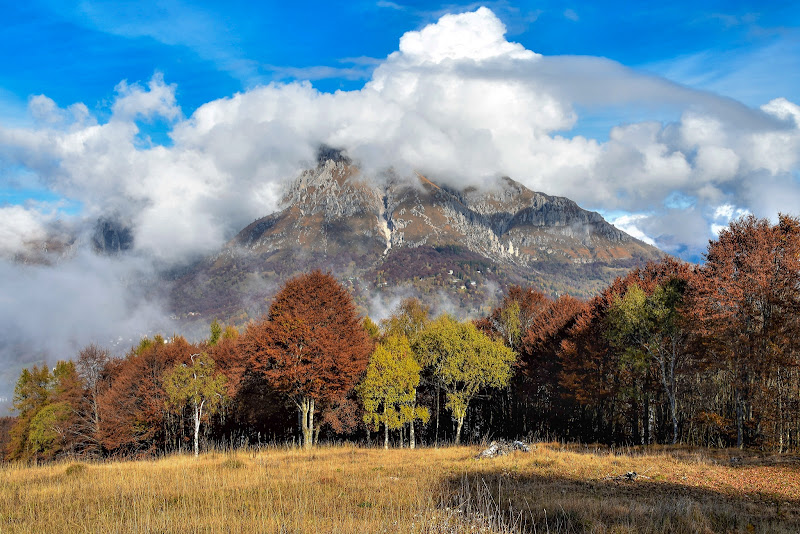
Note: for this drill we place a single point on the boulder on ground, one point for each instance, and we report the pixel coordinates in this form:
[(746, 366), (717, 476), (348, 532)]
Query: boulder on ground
[(501, 448)]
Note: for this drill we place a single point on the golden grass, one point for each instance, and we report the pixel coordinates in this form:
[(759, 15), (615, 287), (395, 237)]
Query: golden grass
[(350, 489)]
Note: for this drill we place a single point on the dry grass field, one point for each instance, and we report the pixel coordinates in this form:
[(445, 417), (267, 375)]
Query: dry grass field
[(349, 489)]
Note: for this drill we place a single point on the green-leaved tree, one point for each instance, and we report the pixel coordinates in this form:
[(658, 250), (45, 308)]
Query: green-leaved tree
[(652, 327), (197, 385)]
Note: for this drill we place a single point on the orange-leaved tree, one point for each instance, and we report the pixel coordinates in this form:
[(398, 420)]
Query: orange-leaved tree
[(312, 345), (748, 306)]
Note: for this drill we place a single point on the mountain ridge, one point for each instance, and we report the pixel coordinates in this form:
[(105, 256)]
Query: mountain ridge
[(412, 233)]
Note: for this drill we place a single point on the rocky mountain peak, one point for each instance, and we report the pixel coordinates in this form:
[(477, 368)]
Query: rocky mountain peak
[(414, 231)]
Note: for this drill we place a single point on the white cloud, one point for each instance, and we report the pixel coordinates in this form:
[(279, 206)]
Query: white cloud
[(724, 214), (629, 225), (51, 312), (457, 101), (475, 36), (783, 109), (134, 101), (20, 227)]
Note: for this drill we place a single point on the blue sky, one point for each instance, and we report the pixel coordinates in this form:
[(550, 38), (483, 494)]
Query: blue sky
[(78, 51)]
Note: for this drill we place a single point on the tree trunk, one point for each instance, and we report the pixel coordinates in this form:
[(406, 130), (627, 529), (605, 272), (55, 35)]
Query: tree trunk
[(458, 429), (385, 427), (646, 419), (739, 419), (673, 408), (310, 424), (198, 413), (411, 441), (306, 409), (670, 387), (438, 394)]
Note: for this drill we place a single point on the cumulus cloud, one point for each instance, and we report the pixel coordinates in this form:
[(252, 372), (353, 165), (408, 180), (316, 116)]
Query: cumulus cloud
[(457, 101)]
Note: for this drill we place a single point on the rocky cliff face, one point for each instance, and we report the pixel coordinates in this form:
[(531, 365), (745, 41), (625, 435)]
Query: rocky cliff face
[(505, 222), (111, 236), (414, 233)]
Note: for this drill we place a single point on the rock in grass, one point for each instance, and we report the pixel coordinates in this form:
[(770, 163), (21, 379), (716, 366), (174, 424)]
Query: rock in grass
[(501, 448)]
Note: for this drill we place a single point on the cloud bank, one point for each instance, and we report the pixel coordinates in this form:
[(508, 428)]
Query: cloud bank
[(456, 101)]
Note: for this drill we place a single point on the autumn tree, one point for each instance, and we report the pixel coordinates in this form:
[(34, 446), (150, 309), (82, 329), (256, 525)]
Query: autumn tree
[(518, 312), (216, 333), (652, 328), (198, 385), (312, 346), (136, 418), (539, 368), (749, 307), (93, 369), (47, 405), (590, 373), (372, 329), (510, 322), (408, 320), (6, 424), (31, 394), (388, 391), (467, 361)]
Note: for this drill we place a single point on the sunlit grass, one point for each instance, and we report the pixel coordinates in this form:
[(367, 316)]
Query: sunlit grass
[(350, 489)]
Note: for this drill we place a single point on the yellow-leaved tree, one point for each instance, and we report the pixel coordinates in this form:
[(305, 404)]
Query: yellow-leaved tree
[(465, 360), (409, 319), (388, 391)]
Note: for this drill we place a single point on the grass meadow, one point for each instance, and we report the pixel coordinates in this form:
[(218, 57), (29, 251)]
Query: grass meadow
[(555, 488)]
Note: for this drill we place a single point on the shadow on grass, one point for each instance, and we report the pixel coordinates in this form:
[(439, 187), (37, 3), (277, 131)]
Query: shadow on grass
[(511, 502), (722, 456)]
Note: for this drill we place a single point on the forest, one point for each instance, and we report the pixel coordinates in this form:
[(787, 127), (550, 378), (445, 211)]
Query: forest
[(704, 355)]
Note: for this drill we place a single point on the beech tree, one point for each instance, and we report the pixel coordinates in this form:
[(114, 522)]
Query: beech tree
[(312, 346), (136, 418), (521, 310), (653, 326), (198, 385), (749, 307), (409, 319), (518, 313), (467, 362), (389, 388)]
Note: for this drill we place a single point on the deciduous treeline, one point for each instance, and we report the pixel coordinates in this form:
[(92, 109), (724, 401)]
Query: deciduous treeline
[(671, 352)]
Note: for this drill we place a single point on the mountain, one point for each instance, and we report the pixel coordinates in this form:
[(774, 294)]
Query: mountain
[(457, 248)]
